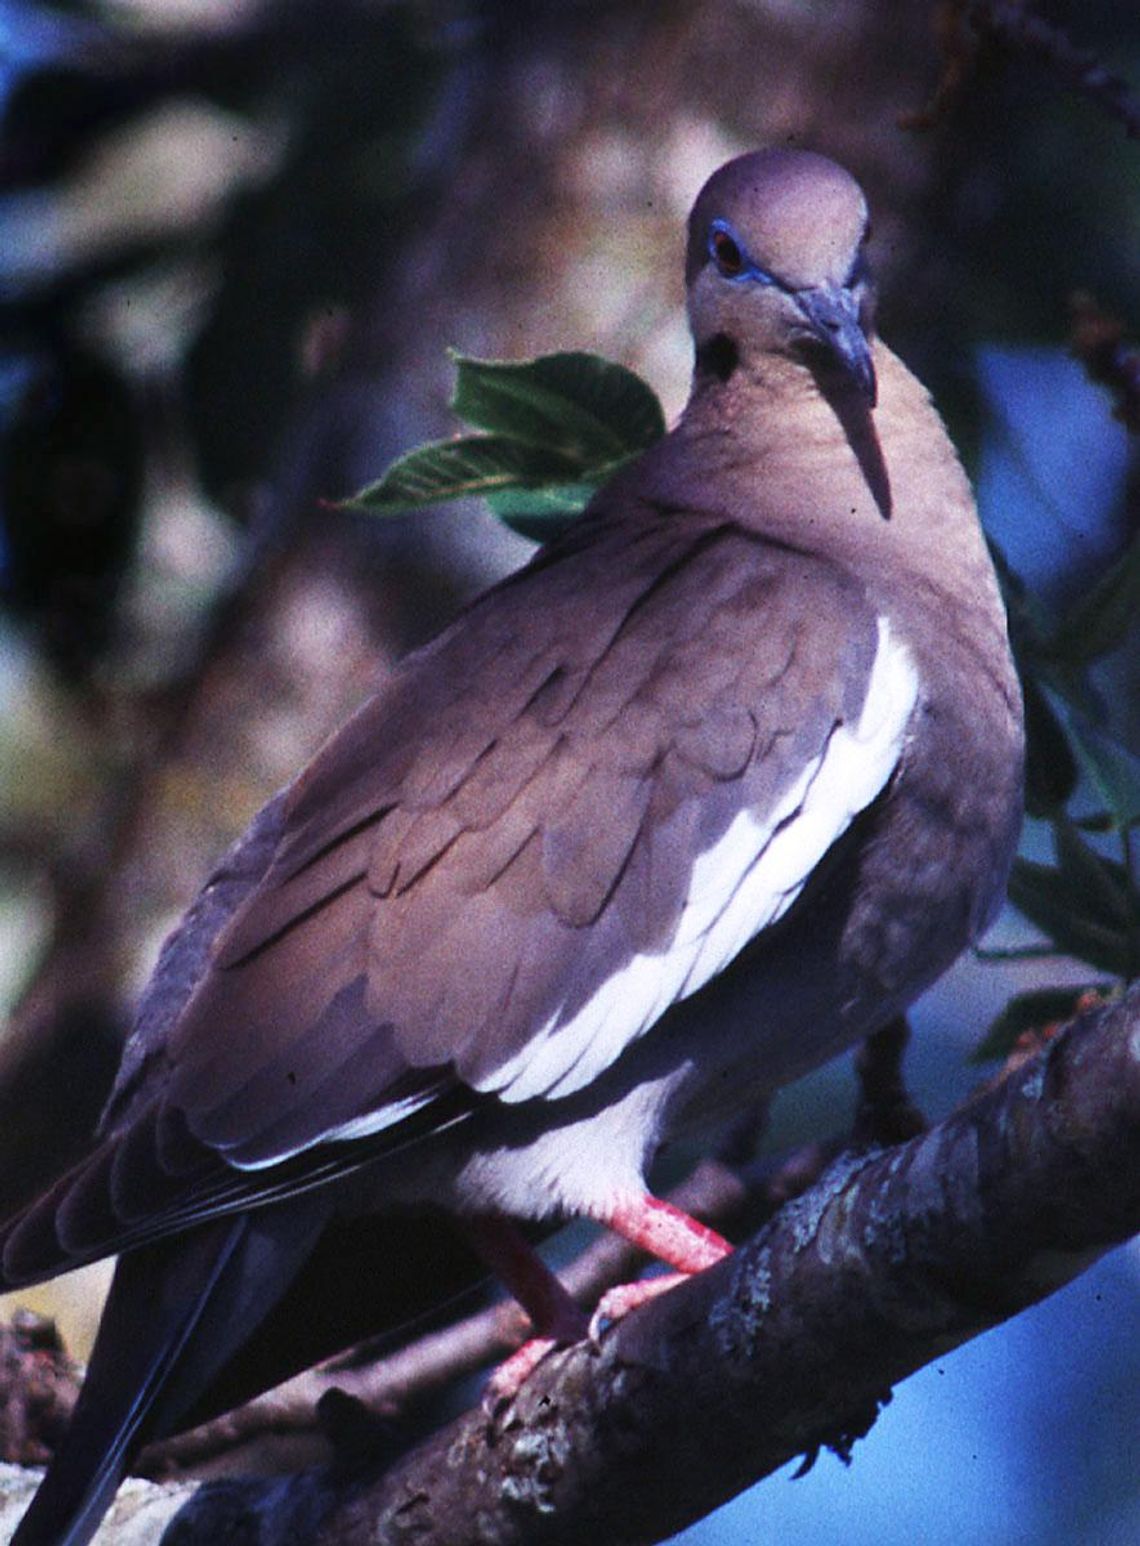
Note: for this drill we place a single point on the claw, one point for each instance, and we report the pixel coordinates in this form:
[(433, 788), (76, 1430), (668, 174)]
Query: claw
[(513, 1373), (657, 1227), (617, 1302)]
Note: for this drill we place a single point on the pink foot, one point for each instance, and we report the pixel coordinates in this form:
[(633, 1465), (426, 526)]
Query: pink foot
[(671, 1236), (657, 1227), (556, 1318), (617, 1302), (513, 1373)]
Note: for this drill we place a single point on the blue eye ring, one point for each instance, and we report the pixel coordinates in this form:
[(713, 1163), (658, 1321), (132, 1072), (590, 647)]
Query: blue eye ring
[(728, 253), (725, 251)]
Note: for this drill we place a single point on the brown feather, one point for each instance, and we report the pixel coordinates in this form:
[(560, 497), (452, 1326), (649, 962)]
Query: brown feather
[(477, 905)]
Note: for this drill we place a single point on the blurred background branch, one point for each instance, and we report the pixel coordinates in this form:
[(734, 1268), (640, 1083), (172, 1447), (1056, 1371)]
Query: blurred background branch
[(237, 240)]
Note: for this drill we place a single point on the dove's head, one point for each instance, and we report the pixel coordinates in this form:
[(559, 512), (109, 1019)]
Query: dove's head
[(776, 265)]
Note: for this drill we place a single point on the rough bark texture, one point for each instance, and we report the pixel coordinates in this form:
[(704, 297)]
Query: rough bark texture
[(893, 1257)]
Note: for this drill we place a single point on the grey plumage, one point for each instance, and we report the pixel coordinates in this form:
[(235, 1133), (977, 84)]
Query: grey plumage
[(714, 786)]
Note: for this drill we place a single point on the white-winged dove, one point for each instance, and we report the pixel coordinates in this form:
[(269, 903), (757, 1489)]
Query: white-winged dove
[(714, 786)]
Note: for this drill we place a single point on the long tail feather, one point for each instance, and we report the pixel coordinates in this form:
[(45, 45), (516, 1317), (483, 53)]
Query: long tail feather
[(176, 1312)]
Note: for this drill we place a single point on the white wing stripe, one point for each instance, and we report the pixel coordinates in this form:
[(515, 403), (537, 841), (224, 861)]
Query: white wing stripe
[(363, 1126), (744, 883)]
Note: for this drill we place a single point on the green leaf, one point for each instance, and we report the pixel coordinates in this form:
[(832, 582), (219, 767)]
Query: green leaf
[(1030, 1012), (454, 469), (1101, 884), (1050, 767), (1113, 769), (1101, 619), (1096, 821), (1055, 901), (1027, 621), (586, 408), (541, 513), (557, 427)]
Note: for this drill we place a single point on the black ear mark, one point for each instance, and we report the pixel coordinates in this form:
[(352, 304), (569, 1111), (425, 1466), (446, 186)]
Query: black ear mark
[(718, 357)]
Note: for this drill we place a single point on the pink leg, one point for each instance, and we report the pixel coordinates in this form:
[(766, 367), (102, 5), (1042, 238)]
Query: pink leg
[(556, 1318), (665, 1232), (657, 1227), (668, 1234)]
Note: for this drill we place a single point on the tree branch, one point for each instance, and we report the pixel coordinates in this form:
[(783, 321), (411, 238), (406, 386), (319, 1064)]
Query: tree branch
[(794, 1343), (406, 1377), (1012, 23), (966, 28), (1097, 339)]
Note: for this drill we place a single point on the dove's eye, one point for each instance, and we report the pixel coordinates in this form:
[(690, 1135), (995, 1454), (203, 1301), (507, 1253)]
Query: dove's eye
[(726, 252)]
